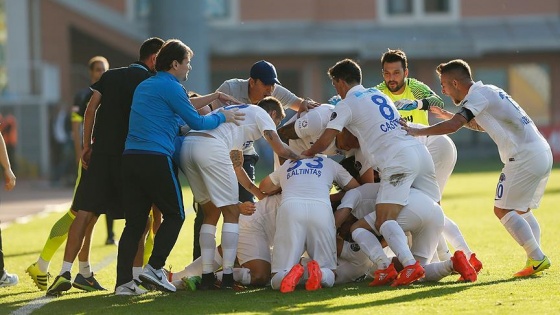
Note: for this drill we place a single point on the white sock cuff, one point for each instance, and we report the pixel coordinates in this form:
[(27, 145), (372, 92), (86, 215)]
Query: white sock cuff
[(527, 214), (387, 225), (508, 217), (208, 228), (230, 227)]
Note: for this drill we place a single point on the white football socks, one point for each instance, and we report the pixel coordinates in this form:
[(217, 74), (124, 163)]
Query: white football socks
[(439, 270), (522, 233), (534, 224), (370, 245), (397, 241), (454, 236), (230, 236), (207, 242)]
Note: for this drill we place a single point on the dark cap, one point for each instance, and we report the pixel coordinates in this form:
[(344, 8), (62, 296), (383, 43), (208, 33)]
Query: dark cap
[(264, 71)]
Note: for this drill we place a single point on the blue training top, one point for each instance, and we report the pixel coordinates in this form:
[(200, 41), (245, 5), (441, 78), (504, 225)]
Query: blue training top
[(153, 117)]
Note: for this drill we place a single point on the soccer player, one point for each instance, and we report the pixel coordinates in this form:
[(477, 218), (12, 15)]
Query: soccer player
[(149, 176), (422, 217), (305, 222), (301, 131), (99, 186), (256, 236), (403, 162), (525, 153), (413, 98), (262, 82), (213, 161), (59, 232), (6, 279), (97, 66)]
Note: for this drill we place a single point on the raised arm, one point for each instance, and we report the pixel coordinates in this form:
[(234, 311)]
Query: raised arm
[(278, 146)]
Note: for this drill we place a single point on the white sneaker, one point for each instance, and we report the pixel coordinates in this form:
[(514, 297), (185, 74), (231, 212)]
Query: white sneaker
[(158, 278), (129, 288), (8, 279)]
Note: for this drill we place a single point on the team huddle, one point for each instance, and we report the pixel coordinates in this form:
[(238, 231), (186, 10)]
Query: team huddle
[(385, 224)]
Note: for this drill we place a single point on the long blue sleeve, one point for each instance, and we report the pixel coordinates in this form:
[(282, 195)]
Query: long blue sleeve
[(153, 117)]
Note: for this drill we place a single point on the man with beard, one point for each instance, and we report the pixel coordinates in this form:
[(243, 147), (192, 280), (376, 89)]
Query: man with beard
[(412, 97)]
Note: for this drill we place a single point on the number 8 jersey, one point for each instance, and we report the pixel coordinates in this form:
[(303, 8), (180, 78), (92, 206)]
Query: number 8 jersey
[(373, 118)]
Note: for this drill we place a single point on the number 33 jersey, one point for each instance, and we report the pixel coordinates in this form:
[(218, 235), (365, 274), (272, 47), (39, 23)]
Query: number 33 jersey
[(310, 178)]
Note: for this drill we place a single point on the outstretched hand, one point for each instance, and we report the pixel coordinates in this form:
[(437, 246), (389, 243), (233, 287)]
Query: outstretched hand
[(307, 104), (440, 112), (227, 99), (409, 130), (232, 115)]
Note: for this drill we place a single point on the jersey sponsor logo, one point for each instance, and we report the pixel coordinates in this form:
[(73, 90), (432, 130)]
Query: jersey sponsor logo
[(333, 115), (408, 118)]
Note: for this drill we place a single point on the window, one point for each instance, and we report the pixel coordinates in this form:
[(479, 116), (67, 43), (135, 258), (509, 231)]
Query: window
[(399, 12), (221, 11)]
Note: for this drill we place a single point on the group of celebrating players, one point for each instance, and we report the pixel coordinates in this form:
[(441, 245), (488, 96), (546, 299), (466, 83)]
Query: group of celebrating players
[(385, 223)]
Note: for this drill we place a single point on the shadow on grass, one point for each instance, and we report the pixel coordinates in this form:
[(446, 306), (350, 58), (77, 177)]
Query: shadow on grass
[(258, 300)]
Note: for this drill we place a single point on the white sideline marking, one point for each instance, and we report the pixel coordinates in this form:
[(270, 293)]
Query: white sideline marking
[(37, 303)]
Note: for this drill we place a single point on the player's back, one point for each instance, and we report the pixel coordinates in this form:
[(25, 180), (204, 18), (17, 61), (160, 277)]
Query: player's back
[(373, 118), (310, 178), (505, 122), (256, 121)]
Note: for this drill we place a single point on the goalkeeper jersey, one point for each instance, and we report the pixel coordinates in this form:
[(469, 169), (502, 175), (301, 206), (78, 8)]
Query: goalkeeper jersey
[(414, 90)]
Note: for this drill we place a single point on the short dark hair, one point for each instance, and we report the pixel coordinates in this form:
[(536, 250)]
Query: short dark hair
[(347, 70), (149, 47), (271, 103), (394, 55), (97, 59), (172, 49), (458, 68)]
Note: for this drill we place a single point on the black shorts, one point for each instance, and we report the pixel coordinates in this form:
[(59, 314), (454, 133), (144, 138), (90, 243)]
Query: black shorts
[(151, 179), (100, 187)]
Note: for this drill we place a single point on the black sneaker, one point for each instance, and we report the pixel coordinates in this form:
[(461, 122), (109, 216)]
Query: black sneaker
[(208, 282), (61, 283), (87, 284)]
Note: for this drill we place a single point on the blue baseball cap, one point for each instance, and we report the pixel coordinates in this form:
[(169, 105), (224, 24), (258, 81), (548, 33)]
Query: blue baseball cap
[(264, 71)]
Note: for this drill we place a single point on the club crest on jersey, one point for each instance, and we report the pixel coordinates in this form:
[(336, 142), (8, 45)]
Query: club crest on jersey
[(333, 115), (355, 247), (502, 178), (358, 166), (303, 124)]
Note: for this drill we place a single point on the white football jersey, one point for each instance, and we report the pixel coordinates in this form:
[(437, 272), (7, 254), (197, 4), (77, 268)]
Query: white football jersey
[(310, 178), (310, 126), (505, 121), (239, 89), (235, 137), (373, 118), (360, 199), (263, 220)]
